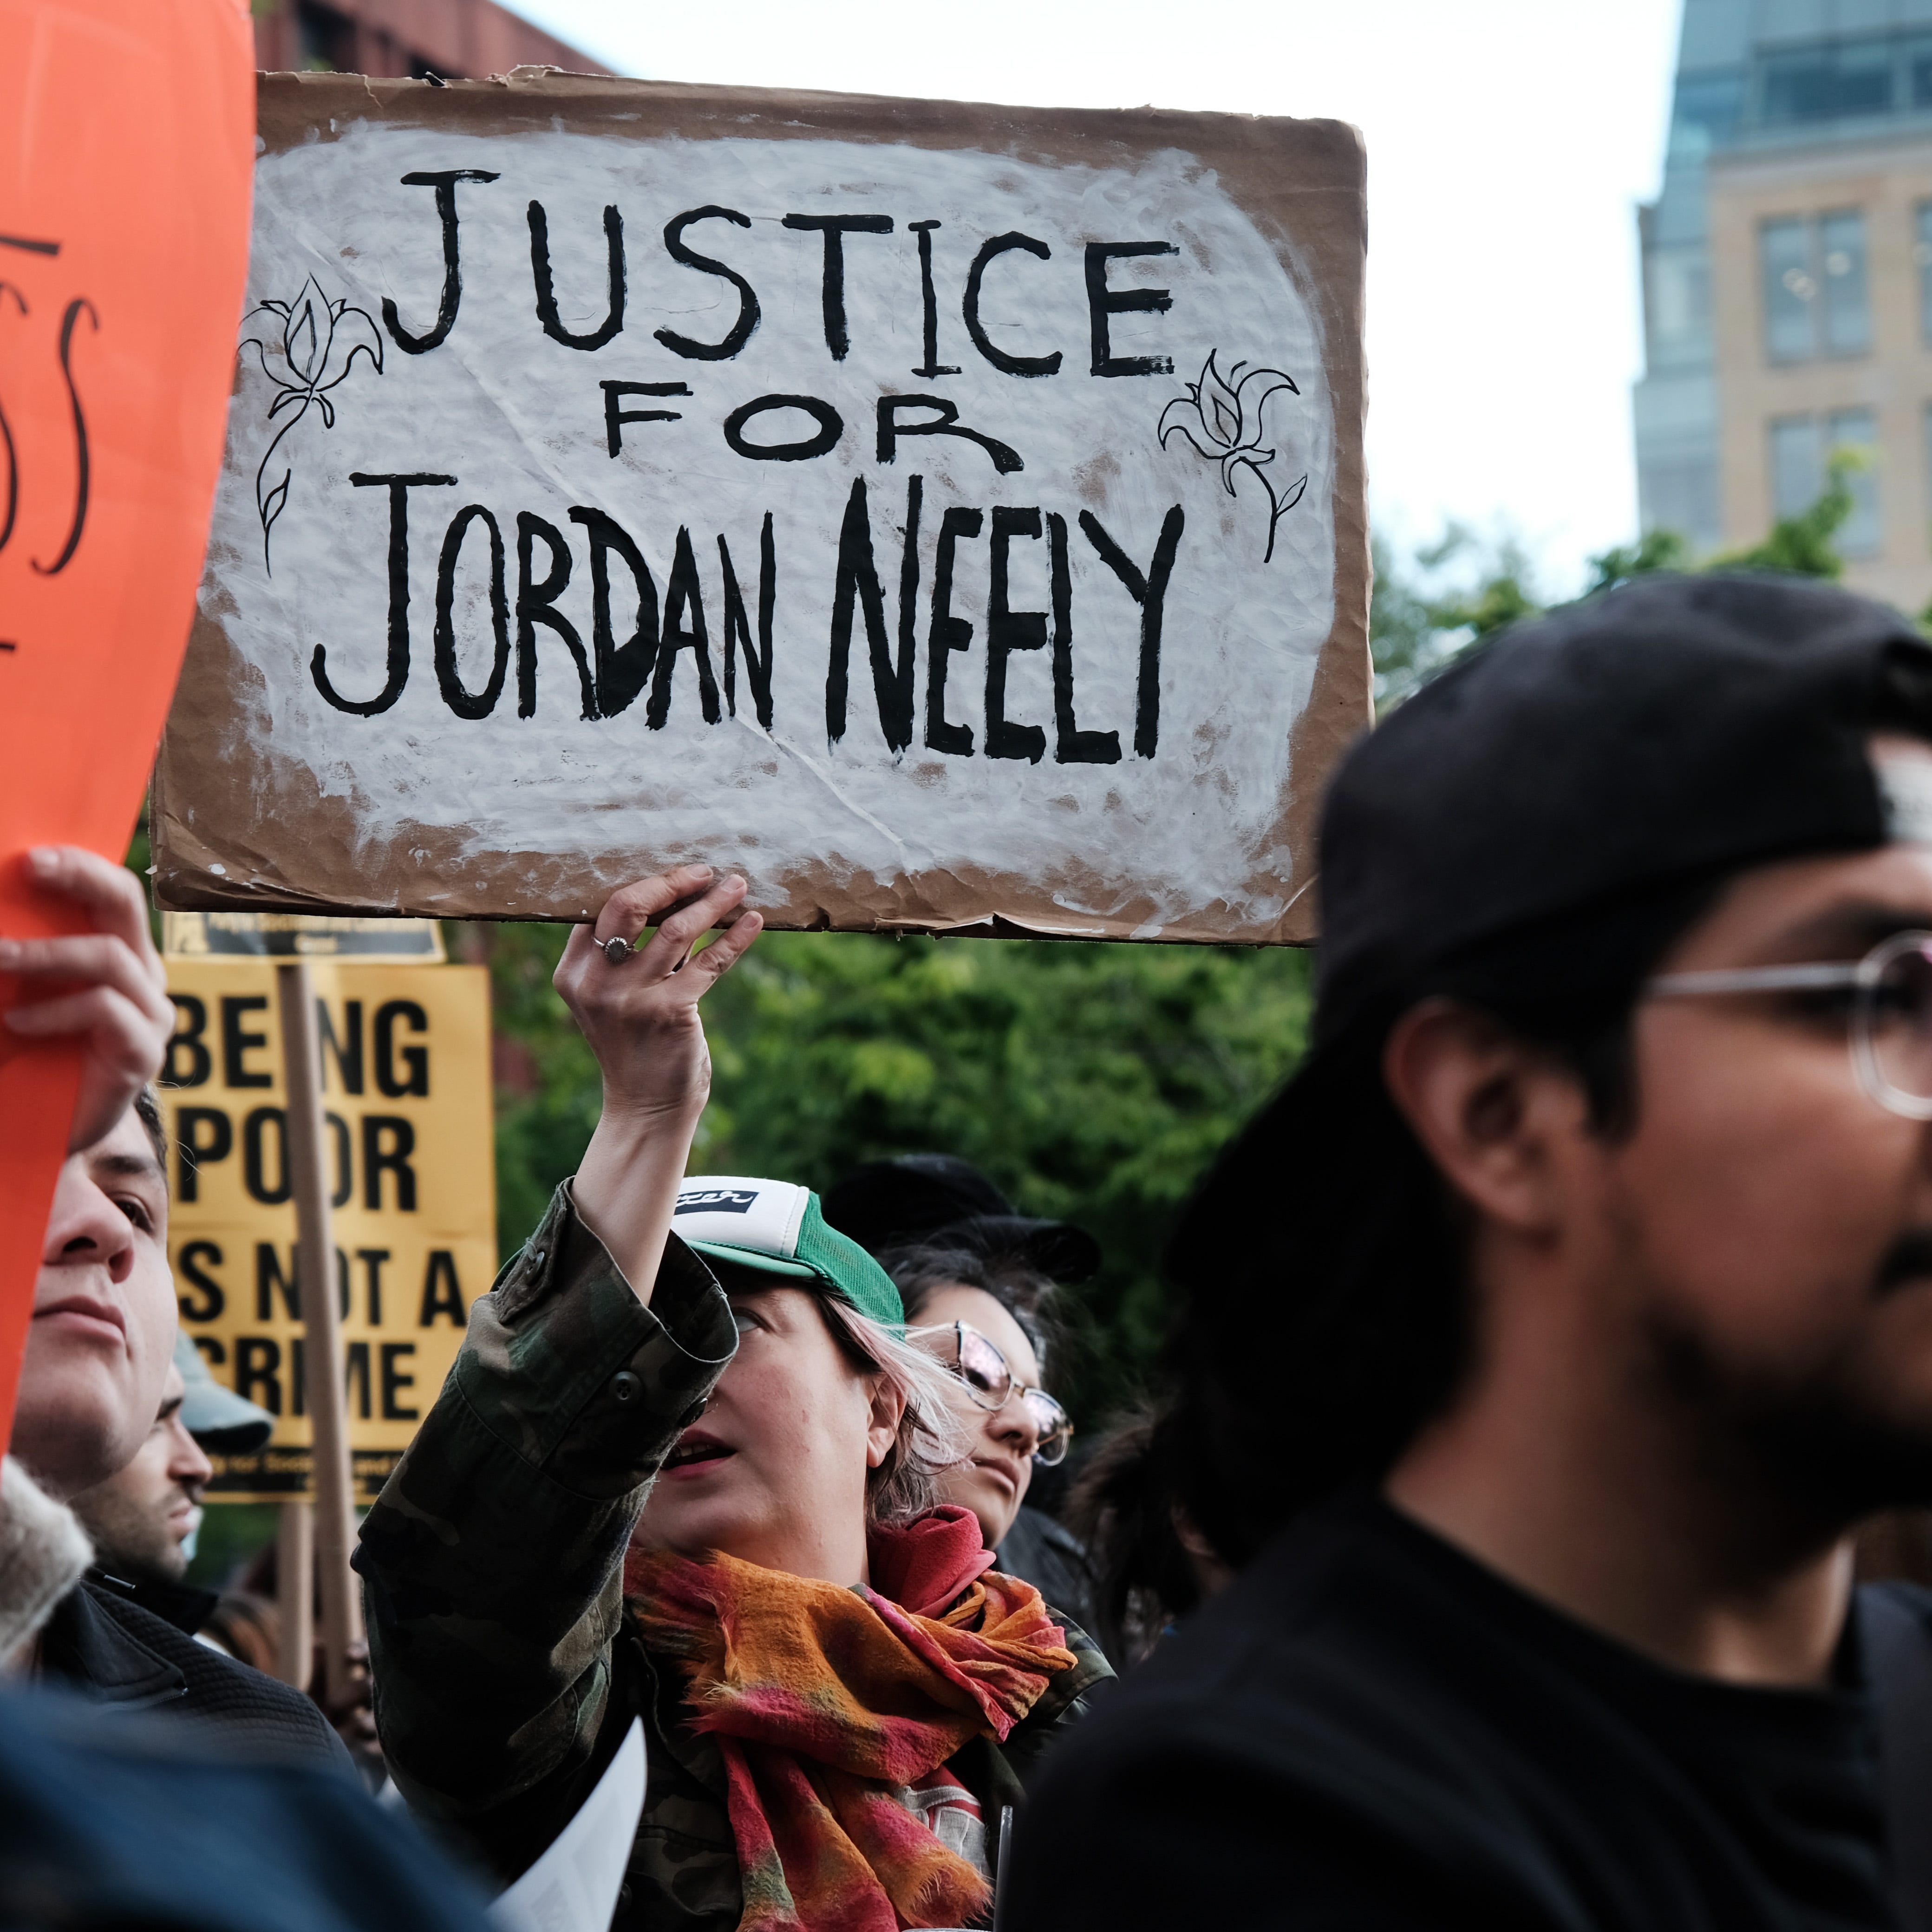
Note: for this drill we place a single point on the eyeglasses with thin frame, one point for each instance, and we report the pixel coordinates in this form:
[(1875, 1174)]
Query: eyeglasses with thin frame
[(1888, 995), (990, 1382)]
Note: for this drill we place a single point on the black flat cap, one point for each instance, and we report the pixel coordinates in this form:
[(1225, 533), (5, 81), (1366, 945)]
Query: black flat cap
[(938, 1198)]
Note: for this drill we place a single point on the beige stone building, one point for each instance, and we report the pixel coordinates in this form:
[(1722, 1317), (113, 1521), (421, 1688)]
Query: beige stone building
[(1788, 282), (1821, 299)]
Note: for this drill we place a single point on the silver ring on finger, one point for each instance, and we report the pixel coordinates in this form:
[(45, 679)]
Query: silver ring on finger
[(617, 950)]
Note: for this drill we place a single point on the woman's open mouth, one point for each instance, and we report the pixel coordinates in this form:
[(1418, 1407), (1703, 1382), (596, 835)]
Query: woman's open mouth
[(696, 1451)]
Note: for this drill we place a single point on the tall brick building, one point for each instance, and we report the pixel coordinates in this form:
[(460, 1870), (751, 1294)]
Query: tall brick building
[(455, 39)]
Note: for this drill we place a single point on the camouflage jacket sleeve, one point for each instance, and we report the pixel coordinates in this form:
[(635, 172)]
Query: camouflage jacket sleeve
[(493, 1560)]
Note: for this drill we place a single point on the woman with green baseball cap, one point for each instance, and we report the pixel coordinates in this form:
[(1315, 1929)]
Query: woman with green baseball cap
[(683, 1471)]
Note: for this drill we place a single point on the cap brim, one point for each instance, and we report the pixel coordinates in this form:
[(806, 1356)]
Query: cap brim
[(756, 1258)]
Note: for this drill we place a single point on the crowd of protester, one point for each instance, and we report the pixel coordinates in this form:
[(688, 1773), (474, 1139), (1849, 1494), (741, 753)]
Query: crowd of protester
[(1485, 1558)]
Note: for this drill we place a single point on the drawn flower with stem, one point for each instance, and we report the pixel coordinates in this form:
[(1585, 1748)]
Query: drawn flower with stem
[(316, 347), (1220, 418)]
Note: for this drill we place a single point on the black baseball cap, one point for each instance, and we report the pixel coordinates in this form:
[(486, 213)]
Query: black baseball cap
[(1531, 823), (939, 1197)]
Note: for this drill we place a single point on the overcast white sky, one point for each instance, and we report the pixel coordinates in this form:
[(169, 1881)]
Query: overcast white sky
[(1509, 141)]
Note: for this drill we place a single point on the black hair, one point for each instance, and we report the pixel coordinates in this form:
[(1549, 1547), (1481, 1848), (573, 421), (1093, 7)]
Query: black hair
[(1314, 1346), (1122, 1507), (149, 1114), (920, 1270)]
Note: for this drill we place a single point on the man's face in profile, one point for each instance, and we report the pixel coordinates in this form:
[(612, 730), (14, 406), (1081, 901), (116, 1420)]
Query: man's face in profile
[(1768, 1226), (101, 1340), (144, 1517)]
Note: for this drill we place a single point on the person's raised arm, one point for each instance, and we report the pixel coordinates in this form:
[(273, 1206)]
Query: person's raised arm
[(107, 988), (641, 1018)]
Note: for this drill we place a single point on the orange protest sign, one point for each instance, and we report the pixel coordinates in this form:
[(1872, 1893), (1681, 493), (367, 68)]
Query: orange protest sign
[(127, 146)]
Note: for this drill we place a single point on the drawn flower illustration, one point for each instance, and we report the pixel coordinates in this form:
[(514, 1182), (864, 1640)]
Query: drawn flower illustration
[(1220, 418), (316, 347)]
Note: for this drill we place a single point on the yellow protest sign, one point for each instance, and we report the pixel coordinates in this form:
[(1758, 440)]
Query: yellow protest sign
[(406, 1093)]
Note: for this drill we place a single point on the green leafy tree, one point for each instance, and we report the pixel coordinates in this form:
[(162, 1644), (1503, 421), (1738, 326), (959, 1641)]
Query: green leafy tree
[(1425, 632), (1092, 1082), (1655, 549), (1428, 609)]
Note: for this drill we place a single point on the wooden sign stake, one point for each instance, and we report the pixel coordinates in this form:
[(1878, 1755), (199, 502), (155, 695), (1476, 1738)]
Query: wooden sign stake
[(322, 1322), (295, 1593)]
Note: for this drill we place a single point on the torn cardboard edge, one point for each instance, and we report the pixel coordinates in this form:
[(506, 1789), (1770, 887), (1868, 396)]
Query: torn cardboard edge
[(1313, 214)]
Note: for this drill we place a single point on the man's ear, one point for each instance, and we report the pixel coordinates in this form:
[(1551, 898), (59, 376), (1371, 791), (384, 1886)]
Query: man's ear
[(882, 1431), (1488, 1107)]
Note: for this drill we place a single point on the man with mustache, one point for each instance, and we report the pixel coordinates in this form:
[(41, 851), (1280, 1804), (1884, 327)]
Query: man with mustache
[(1549, 1334)]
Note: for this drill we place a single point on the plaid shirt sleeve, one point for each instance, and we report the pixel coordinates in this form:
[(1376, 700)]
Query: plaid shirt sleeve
[(493, 1561)]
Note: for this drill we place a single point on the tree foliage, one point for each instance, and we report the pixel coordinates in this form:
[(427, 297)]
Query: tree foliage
[(1092, 1082), (1419, 627)]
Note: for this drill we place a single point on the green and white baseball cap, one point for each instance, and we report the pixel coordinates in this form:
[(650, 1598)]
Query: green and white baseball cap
[(775, 1226)]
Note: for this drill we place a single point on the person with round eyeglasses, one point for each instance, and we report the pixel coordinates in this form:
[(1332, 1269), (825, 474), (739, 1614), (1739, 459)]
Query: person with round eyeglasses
[(979, 1276), (1015, 1423)]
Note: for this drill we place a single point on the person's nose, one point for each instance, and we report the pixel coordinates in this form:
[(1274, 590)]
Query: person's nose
[(187, 1461), (86, 1227), (1014, 1428)]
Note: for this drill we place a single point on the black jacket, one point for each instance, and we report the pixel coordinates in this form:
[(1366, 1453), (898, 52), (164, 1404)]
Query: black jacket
[(1048, 1554), (99, 1641)]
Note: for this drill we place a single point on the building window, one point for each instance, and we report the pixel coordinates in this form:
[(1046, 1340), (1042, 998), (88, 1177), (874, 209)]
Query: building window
[(1847, 309), (1928, 440), (1801, 448), (1704, 113), (1797, 466), (1918, 73), (1677, 283), (1921, 257), (324, 38), (1827, 82), (1790, 289), (1854, 432), (1816, 289)]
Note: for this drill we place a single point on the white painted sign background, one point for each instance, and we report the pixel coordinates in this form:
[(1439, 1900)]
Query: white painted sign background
[(1174, 807)]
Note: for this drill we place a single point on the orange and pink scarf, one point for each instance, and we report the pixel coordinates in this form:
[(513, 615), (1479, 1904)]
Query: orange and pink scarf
[(826, 1701)]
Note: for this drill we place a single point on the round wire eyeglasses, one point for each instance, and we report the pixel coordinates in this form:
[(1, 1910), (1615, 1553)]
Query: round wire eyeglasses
[(989, 1381)]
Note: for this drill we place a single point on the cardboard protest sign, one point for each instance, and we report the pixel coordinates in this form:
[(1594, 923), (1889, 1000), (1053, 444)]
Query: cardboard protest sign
[(405, 1079), (126, 139), (951, 515)]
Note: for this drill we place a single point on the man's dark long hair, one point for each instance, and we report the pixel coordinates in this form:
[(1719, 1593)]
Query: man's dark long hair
[(1326, 1318)]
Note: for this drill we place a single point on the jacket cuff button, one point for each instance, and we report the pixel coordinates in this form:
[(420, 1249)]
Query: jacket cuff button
[(625, 1388)]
